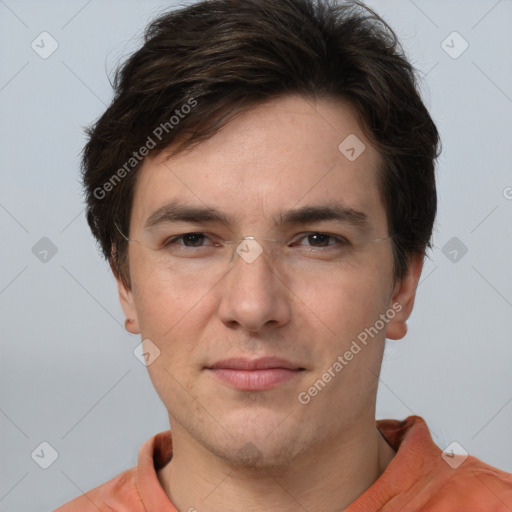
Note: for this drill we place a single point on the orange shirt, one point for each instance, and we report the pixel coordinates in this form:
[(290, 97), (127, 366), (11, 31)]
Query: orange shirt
[(417, 479)]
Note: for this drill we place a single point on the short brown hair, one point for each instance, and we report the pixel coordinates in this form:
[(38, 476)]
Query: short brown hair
[(203, 64)]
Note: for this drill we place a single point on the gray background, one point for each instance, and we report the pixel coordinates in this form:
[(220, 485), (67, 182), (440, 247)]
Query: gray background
[(68, 375)]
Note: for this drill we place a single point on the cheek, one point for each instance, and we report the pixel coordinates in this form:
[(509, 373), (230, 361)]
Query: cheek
[(347, 299), (163, 303), (343, 312), (171, 313), (171, 319)]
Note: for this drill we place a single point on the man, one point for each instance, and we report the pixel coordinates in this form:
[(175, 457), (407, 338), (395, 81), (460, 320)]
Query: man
[(263, 187)]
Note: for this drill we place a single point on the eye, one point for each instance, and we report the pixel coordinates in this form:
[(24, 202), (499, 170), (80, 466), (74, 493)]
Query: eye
[(319, 239), (188, 240)]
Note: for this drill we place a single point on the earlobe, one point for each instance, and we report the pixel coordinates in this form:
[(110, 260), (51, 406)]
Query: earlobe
[(403, 297), (128, 325)]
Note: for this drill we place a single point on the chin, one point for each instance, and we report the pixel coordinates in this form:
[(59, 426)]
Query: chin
[(258, 444), (250, 455)]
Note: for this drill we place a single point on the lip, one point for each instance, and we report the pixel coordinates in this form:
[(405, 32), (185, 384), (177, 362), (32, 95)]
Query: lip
[(255, 374)]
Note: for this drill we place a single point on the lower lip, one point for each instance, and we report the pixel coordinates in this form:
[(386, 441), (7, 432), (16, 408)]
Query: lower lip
[(254, 380)]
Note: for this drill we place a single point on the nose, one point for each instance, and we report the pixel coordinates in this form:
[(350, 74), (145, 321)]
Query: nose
[(253, 294)]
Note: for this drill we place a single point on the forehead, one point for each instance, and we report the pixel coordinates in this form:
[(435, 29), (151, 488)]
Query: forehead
[(281, 155)]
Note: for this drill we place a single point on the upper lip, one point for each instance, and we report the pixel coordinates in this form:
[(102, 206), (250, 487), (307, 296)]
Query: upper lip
[(262, 363)]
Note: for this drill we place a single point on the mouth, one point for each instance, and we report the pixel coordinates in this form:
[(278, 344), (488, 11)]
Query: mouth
[(255, 374)]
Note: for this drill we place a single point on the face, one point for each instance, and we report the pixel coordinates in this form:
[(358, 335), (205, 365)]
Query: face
[(262, 359)]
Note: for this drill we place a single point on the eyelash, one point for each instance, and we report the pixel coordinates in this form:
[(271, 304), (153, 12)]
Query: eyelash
[(340, 239)]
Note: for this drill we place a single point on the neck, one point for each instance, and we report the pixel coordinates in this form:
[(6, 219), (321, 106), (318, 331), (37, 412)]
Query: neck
[(329, 479)]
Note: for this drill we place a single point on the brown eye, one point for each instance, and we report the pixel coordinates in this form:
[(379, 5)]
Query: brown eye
[(193, 239), (318, 240), (187, 240)]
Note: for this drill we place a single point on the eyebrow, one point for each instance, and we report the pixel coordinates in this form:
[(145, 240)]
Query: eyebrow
[(175, 212)]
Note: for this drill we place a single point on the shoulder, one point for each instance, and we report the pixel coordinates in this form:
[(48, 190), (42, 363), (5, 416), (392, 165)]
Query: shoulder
[(422, 477), (119, 494), (128, 491), (475, 486)]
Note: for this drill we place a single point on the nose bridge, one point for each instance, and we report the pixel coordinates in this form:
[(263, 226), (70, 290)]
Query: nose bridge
[(250, 248), (252, 293), (253, 265)]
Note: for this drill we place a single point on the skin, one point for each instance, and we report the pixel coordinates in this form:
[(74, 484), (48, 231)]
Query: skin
[(264, 450)]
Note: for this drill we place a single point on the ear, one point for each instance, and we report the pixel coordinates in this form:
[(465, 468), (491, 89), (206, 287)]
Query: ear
[(127, 303), (402, 300)]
